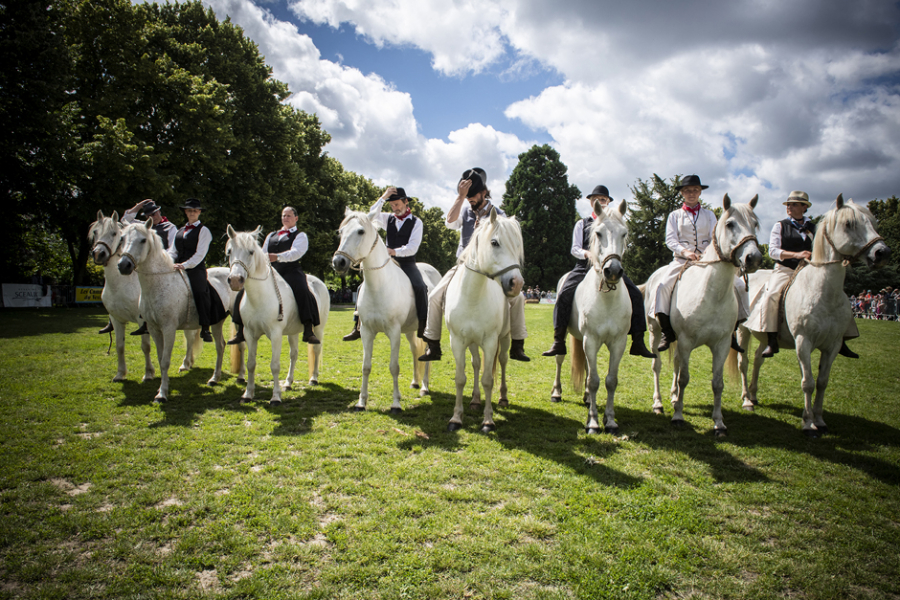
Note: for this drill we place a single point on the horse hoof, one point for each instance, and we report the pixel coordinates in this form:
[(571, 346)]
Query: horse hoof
[(749, 407), (274, 402), (592, 430), (811, 433), (658, 410), (241, 381), (358, 409), (454, 427), (396, 410), (120, 379), (678, 423), (555, 398), (313, 382), (611, 430), (488, 427), (720, 432), (212, 383), (503, 403), (823, 429), (159, 400), (414, 386)]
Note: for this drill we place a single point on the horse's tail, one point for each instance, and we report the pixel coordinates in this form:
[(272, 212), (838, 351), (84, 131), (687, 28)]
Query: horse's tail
[(237, 353), (579, 365), (196, 345), (731, 364), (313, 361)]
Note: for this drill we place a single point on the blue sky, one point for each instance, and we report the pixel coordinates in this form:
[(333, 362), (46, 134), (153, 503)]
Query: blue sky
[(756, 98)]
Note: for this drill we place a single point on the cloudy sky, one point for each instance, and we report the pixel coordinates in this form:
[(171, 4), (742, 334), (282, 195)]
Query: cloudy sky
[(754, 96)]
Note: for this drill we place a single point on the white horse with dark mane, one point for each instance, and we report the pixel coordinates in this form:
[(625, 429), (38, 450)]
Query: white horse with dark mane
[(704, 306), (269, 307), (122, 294), (601, 314), (816, 309), (477, 307), (385, 301), (167, 304)]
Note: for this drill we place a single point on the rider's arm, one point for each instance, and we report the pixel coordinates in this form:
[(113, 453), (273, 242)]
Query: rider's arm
[(453, 216), (297, 250), (415, 240), (577, 239), (202, 248), (672, 240), (775, 250)]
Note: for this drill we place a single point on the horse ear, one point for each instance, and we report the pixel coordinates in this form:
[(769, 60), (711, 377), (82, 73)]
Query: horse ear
[(115, 215), (754, 201), (148, 223), (840, 201), (623, 208), (493, 215), (257, 232), (99, 215), (230, 231), (598, 209), (726, 202)]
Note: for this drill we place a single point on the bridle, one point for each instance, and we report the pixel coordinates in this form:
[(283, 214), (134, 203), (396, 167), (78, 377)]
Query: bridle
[(610, 287), (108, 249), (722, 258), (846, 259), (355, 263), (496, 274), (240, 263)]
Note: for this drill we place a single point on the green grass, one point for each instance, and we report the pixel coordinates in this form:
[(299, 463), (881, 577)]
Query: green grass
[(105, 495)]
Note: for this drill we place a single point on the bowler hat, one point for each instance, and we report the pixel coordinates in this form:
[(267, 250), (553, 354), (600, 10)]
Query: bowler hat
[(690, 180), (798, 197), (150, 208), (400, 194), (478, 178), (600, 190), (191, 203)]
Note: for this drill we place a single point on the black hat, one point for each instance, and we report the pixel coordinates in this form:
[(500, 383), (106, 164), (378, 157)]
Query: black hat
[(478, 178), (690, 180), (191, 203), (400, 194), (149, 208), (600, 190)]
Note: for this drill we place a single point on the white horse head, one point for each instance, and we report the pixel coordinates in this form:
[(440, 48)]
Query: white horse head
[(609, 234), (496, 250), (358, 237), (734, 239), (848, 233), (105, 236), (245, 257), (139, 243)]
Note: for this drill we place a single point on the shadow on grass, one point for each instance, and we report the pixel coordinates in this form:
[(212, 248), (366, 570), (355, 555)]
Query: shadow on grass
[(26, 322)]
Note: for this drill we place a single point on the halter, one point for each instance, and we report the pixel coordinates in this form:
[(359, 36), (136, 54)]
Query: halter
[(723, 258), (846, 259), (354, 263), (274, 282), (134, 261), (498, 273), (610, 287), (108, 248)]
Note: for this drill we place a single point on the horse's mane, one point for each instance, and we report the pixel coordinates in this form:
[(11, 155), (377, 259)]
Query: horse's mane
[(154, 241), (849, 214), (509, 231), (608, 213), (360, 216), (744, 212), (100, 227)]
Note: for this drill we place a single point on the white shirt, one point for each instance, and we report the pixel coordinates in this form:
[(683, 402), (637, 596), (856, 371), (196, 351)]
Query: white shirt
[(297, 250), (415, 237), (578, 238), (685, 232), (775, 239), (202, 247), (130, 216)]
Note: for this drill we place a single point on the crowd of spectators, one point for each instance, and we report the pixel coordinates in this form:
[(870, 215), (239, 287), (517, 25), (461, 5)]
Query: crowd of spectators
[(880, 306), (535, 294), (344, 296)]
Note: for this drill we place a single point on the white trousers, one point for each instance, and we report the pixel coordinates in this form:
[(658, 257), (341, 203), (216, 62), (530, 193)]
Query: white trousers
[(661, 301)]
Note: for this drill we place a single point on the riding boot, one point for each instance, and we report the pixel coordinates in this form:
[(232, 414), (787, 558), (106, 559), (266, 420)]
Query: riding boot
[(845, 351), (353, 335), (421, 331), (772, 345), (668, 334), (238, 336), (205, 335), (559, 343), (433, 352), (734, 343), (517, 351), (308, 335), (141, 330), (108, 328), (638, 347)]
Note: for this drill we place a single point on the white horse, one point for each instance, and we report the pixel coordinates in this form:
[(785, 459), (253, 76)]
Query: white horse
[(816, 309), (268, 307), (166, 301), (704, 306), (385, 301), (477, 307), (122, 294), (601, 314)]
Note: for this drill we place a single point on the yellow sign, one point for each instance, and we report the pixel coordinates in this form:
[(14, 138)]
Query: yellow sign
[(87, 294)]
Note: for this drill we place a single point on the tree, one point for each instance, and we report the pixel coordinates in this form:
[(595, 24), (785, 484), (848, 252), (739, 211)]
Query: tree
[(859, 276), (653, 201), (539, 195)]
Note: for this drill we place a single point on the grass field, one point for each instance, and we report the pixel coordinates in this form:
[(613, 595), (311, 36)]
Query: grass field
[(104, 494)]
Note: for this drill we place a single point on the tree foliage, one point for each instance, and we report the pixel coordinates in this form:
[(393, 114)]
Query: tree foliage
[(538, 193), (653, 201), (860, 277)]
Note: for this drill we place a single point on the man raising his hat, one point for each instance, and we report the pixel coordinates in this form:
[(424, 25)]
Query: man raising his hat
[(472, 204), (790, 242), (562, 311)]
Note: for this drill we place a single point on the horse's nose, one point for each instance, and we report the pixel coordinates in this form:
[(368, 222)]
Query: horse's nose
[(100, 257), (126, 266), (753, 261), (339, 264), (613, 271), (236, 283), (882, 254)]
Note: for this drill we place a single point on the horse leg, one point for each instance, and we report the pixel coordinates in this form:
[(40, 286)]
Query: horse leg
[(252, 341), (720, 354), (368, 340), (314, 358), (591, 346), (487, 382), (121, 367), (753, 388), (655, 365), (616, 351), (192, 345), (503, 400), (680, 380), (416, 353), (459, 356), (294, 345), (275, 365), (556, 390), (219, 340), (826, 361), (395, 369), (165, 341), (807, 384), (743, 362), (475, 404)]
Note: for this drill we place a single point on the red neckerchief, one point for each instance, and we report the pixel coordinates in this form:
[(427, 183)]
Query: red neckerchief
[(163, 220), (694, 211), (404, 215), (188, 227)]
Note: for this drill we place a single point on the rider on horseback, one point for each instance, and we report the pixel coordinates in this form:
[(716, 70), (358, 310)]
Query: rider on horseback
[(285, 249), (565, 297), (689, 230), (473, 188)]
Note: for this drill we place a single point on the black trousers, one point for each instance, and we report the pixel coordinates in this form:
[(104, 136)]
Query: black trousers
[(565, 297), (420, 290), (307, 307), (200, 291)]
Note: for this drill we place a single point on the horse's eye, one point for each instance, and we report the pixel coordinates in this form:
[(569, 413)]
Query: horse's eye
[(729, 224), (251, 252), (143, 241), (360, 232), (495, 243)]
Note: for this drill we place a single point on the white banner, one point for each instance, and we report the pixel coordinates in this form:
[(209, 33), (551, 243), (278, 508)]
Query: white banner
[(25, 295)]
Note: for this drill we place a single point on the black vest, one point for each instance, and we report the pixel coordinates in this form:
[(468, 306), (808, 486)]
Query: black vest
[(186, 245), (792, 241), (279, 244), (585, 238), (397, 238), (162, 230)]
